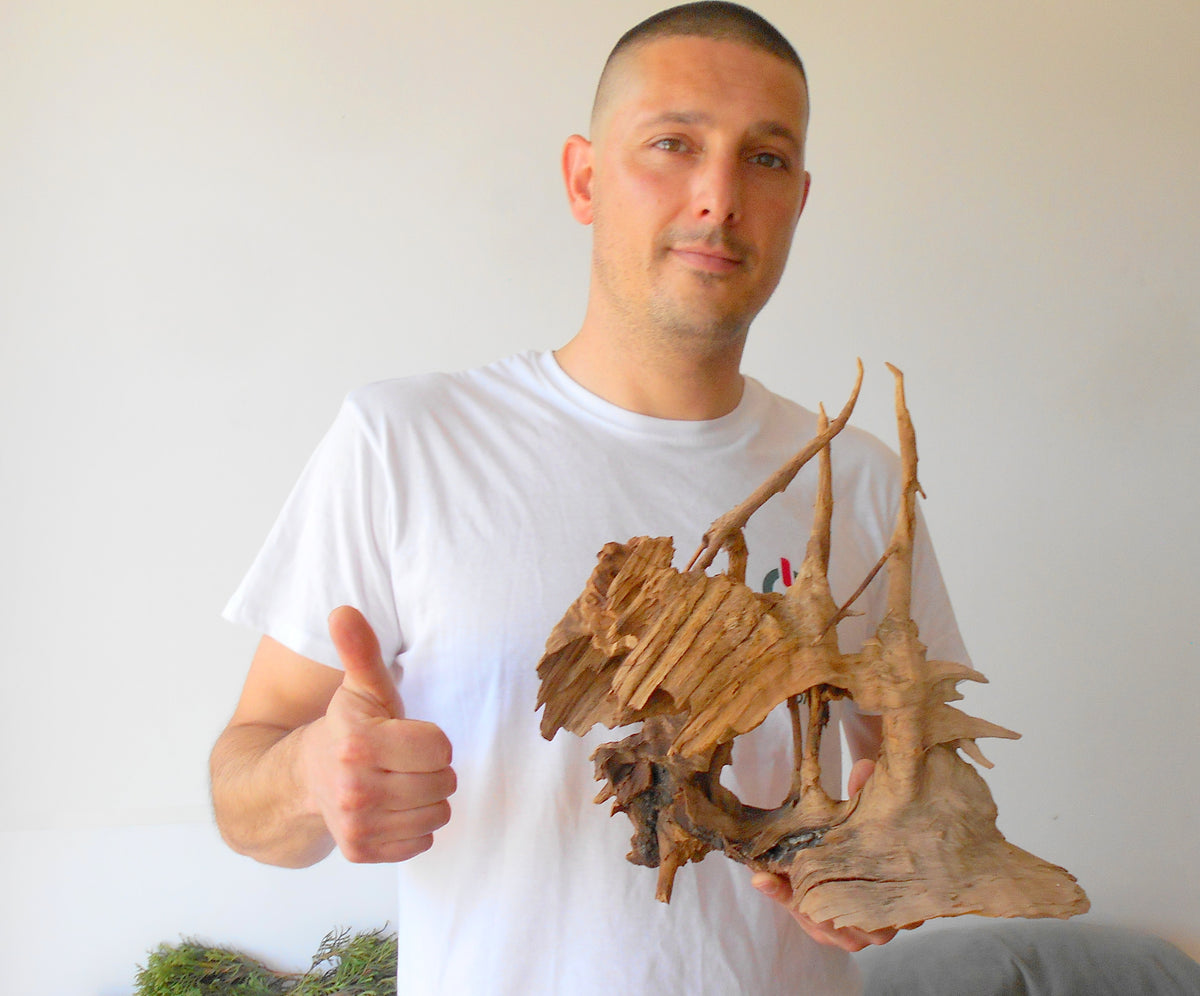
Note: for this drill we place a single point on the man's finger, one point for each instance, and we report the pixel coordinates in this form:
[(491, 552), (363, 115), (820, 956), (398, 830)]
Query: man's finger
[(775, 886), (860, 774), (850, 939), (388, 849), (420, 789), (358, 649), (413, 746)]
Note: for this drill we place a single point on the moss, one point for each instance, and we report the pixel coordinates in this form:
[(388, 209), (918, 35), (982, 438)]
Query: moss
[(344, 965)]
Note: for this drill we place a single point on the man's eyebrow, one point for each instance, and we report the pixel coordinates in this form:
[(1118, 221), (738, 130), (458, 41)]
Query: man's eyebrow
[(776, 129), (766, 128)]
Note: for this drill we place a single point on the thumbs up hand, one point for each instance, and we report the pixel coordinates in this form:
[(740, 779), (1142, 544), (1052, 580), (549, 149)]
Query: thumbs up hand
[(379, 781)]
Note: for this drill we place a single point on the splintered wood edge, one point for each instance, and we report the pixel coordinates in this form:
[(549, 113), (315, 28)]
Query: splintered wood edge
[(918, 841)]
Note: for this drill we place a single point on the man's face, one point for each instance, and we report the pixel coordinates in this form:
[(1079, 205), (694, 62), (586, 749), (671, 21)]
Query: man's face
[(698, 181)]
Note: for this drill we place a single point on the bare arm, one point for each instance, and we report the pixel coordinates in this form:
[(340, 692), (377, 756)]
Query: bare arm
[(315, 757), (258, 790)]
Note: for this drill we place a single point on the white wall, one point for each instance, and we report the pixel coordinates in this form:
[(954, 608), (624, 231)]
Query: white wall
[(217, 218)]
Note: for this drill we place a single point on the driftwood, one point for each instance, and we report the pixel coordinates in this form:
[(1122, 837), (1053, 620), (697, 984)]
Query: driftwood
[(700, 659)]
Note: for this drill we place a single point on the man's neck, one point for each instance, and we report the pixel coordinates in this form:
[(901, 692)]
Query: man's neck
[(653, 379)]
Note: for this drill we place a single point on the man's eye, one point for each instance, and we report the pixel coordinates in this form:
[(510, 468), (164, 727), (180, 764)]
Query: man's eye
[(670, 144), (769, 159)]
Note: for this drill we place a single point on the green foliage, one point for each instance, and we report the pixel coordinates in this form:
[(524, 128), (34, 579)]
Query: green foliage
[(193, 969), (363, 965), (344, 965)]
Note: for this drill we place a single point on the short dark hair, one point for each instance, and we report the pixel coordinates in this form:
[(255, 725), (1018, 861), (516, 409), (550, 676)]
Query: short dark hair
[(717, 19), (711, 19)]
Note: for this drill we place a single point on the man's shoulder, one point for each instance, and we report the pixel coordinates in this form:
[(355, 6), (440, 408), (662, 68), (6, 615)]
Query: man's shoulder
[(422, 394)]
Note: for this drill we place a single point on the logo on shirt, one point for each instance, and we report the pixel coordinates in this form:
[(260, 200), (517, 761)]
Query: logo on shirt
[(778, 575)]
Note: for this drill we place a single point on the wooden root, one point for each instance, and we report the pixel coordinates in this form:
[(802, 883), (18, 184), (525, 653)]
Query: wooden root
[(699, 660)]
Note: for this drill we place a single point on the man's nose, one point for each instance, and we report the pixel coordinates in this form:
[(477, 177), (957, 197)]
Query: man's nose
[(716, 197)]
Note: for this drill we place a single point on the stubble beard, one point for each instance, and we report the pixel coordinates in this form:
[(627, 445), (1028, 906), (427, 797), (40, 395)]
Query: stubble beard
[(683, 320), (697, 328)]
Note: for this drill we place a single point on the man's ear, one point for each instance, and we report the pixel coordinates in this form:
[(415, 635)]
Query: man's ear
[(577, 174), (804, 195)]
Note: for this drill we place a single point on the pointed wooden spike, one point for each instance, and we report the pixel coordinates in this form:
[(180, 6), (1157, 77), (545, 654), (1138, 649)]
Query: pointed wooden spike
[(698, 660), (720, 532)]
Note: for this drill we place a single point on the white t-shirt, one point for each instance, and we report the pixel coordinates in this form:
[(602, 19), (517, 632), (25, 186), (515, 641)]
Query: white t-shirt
[(462, 513)]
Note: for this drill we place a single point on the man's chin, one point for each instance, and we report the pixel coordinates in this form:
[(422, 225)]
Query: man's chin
[(703, 326)]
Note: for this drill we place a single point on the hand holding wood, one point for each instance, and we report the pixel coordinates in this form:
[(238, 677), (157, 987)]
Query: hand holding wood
[(698, 660), (778, 887)]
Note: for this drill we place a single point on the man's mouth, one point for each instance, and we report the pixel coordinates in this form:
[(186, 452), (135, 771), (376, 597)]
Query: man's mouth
[(708, 259)]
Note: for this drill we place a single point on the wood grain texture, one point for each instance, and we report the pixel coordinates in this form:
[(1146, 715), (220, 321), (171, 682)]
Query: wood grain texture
[(699, 659)]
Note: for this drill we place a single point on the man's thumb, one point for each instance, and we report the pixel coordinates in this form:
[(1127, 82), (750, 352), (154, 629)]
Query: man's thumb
[(358, 648)]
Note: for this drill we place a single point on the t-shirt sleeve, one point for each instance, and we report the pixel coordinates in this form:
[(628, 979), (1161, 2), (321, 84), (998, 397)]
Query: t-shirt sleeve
[(329, 547)]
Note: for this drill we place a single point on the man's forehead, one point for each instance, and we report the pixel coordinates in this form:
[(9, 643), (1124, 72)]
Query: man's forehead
[(669, 75)]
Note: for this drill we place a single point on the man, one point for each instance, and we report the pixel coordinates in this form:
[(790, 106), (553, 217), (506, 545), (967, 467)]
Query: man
[(462, 513)]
